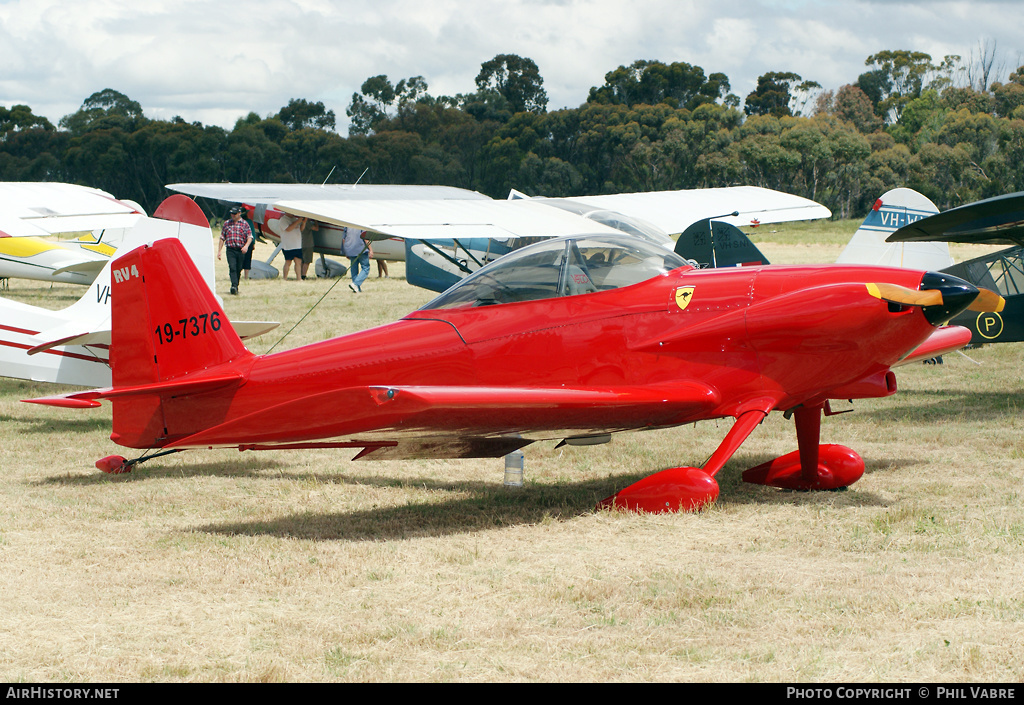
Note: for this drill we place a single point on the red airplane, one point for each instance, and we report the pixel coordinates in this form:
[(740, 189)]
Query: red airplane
[(575, 339)]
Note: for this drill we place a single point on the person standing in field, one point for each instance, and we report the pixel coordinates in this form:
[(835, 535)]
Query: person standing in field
[(247, 260), (357, 248), (308, 227), (291, 246), (236, 236)]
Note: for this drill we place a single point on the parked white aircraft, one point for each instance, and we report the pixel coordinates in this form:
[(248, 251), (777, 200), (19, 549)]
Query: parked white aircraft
[(30, 212), (472, 221), (72, 346)]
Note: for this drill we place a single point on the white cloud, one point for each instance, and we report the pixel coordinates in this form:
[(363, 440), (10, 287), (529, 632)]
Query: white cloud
[(203, 58)]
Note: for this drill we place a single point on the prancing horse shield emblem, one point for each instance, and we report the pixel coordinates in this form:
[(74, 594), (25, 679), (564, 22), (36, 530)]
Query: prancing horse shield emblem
[(683, 296)]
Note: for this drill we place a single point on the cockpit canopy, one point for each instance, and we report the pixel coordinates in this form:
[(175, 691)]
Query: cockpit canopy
[(580, 264)]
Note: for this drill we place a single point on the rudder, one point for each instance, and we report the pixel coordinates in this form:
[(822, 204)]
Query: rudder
[(166, 323), (713, 243), (165, 320), (893, 210)]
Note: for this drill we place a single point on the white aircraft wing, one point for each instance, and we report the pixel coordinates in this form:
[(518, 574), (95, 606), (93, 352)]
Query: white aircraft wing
[(670, 211), (447, 219), (253, 194), (46, 208), (674, 211)]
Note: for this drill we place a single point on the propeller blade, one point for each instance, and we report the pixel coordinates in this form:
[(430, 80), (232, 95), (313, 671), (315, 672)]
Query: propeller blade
[(941, 296), (988, 302), (902, 295)]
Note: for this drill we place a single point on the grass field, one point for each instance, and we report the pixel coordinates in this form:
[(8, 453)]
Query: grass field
[(303, 566)]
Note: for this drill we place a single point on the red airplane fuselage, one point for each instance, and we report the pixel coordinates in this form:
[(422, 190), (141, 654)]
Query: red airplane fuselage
[(795, 335)]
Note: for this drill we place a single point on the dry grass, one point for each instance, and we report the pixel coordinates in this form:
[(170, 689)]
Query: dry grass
[(302, 566)]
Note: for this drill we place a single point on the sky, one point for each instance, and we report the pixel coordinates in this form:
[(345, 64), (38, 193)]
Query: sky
[(214, 61)]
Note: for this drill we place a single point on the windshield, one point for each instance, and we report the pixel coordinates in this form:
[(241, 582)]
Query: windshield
[(561, 267)]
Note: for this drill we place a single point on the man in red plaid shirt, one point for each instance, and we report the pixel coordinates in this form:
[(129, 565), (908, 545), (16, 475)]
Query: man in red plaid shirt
[(237, 236)]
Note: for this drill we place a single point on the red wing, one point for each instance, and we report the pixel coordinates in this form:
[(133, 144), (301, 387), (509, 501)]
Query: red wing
[(942, 341), (433, 413)]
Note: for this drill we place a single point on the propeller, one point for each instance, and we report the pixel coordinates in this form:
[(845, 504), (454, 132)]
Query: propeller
[(987, 302), (941, 296), (902, 295)]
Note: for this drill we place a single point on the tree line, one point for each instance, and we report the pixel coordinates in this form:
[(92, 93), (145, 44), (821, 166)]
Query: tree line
[(944, 129)]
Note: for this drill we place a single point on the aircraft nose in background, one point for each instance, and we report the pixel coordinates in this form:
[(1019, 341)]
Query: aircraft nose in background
[(957, 295)]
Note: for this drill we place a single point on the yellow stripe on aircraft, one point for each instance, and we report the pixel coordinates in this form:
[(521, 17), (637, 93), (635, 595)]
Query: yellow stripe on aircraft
[(99, 248), (25, 246)]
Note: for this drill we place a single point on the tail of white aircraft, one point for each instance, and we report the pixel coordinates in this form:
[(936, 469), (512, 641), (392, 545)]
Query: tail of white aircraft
[(71, 346), (892, 211)]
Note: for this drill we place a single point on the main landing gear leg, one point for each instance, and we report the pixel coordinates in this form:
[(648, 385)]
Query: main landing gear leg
[(685, 489), (813, 466)]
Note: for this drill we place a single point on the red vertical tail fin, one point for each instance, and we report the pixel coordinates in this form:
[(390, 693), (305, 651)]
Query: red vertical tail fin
[(166, 324), (165, 320)]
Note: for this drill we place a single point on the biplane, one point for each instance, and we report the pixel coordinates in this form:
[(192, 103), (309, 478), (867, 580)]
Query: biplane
[(994, 221)]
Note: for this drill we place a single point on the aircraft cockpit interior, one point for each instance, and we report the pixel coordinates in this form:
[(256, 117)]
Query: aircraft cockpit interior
[(569, 266)]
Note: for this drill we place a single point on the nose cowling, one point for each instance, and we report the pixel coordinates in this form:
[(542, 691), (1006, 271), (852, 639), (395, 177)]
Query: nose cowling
[(957, 296)]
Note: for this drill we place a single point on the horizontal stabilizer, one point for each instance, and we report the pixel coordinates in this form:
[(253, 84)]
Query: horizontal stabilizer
[(93, 338), (90, 268), (181, 386), (253, 329)]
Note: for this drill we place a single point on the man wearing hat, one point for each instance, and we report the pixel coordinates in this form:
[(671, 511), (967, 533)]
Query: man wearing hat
[(237, 236)]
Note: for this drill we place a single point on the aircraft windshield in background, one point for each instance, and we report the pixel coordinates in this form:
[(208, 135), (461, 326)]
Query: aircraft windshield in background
[(573, 339)]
